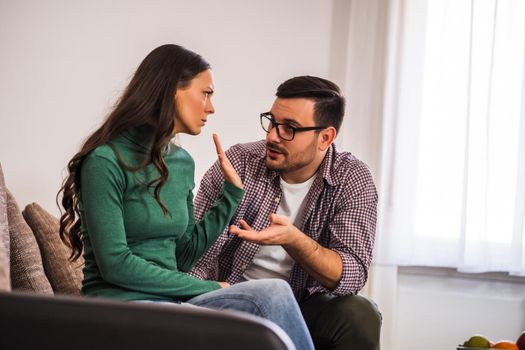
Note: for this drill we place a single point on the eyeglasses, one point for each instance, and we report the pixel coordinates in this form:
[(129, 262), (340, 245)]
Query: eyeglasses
[(284, 131)]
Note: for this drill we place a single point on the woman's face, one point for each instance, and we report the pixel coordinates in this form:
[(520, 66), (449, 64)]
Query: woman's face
[(193, 104)]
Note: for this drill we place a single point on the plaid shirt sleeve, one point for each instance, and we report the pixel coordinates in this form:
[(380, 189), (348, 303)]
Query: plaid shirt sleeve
[(351, 232)]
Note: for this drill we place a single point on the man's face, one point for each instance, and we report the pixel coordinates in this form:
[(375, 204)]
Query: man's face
[(295, 155)]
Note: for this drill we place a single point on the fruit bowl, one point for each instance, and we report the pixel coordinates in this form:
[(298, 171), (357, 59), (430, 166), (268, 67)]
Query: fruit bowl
[(481, 342)]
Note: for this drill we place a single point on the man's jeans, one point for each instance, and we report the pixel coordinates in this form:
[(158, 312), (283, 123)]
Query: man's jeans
[(271, 299)]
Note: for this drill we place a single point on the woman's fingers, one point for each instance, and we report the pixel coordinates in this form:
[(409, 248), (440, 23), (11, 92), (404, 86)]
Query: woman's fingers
[(218, 145), (224, 284), (227, 168)]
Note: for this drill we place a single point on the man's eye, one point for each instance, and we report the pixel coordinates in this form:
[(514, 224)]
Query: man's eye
[(288, 128)]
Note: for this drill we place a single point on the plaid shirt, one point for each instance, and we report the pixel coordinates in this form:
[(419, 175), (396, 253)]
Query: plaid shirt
[(340, 214)]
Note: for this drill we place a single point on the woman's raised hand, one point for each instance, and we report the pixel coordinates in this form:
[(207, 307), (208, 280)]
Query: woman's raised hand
[(228, 171)]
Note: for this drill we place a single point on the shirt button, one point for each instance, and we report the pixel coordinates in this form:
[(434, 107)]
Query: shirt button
[(276, 200), (244, 266)]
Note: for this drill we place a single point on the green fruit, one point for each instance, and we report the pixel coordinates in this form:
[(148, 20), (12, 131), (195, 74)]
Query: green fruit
[(478, 341)]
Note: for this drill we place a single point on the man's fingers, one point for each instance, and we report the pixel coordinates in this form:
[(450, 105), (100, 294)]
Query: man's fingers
[(245, 225), (278, 219), (249, 235), (236, 230)]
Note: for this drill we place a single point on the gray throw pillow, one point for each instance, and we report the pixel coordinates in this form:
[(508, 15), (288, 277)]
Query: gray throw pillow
[(64, 276), (5, 282), (27, 272)]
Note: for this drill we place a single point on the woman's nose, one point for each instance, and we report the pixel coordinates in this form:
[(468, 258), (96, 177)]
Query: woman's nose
[(210, 109)]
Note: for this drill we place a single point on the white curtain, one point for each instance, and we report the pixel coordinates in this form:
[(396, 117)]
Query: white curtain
[(453, 151)]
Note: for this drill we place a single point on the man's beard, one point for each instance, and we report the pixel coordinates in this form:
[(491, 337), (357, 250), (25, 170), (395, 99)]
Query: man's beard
[(289, 163)]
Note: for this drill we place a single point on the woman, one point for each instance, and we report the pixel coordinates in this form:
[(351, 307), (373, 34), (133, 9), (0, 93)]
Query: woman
[(129, 206)]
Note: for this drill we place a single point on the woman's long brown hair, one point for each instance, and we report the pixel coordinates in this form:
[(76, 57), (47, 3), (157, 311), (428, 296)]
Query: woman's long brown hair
[(148, 100)]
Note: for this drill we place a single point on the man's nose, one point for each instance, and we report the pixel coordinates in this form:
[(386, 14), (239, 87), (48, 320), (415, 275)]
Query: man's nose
[(273, 135)]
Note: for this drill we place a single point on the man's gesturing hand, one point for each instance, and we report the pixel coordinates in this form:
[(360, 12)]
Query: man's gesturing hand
[(280, 232)]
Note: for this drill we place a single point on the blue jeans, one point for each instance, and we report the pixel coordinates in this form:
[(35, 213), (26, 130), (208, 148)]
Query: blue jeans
[(271, 299)]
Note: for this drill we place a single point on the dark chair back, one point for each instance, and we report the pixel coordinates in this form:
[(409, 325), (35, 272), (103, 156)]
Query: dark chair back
[(29, 321)]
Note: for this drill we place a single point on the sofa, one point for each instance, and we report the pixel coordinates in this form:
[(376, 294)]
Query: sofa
[(41, 306)]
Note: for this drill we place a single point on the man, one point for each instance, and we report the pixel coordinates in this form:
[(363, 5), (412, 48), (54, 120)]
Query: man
[(308, 215)]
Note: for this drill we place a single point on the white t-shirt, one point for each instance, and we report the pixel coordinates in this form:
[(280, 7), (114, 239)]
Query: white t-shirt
[(272, 261)]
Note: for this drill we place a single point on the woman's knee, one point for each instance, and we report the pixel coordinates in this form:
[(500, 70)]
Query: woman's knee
[(279, 286), (273, 295), (273, 286)]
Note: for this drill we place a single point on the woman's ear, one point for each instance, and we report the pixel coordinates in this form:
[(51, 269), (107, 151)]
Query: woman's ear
[(327, 138)]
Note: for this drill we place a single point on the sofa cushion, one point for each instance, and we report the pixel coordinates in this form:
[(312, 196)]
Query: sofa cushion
[(27, 272), (64, 276), (5, 283)]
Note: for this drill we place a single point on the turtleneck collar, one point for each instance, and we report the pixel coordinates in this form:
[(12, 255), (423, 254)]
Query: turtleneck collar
[(139, 138)]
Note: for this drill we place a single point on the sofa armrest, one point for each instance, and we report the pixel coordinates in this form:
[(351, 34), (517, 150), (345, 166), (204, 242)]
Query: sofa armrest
[(31, 321)]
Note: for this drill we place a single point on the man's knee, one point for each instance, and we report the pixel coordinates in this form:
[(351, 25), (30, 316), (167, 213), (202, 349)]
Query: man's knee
[(361, 313), (362, 319), (344, 320)]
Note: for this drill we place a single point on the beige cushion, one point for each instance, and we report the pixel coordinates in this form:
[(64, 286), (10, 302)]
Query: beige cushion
[(27, 272), (5, 282), (65, 276)]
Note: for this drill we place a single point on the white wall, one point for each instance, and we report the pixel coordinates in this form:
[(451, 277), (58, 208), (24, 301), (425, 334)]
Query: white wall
[(63, 63), (439, 310)]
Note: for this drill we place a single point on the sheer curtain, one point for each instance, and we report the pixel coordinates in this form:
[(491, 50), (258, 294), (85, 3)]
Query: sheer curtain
[(453, 152)]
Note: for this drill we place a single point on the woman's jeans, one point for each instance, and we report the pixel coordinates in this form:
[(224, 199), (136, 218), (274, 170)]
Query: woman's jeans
[(271, 299)]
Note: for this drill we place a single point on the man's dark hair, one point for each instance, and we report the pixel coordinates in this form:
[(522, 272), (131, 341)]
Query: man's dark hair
[(329, 107)]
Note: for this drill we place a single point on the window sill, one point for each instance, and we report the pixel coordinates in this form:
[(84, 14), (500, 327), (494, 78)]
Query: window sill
[(450, 272)]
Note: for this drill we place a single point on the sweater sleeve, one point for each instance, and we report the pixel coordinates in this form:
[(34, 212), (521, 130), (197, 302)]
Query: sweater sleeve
[(102, 192), (200, 236)]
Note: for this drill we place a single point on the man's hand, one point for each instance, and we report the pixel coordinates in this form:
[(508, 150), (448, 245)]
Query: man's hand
[(228, 171), (323, 264), (280, 232)]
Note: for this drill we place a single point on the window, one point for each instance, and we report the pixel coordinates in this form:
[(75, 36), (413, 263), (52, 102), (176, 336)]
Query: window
[(454, 149)]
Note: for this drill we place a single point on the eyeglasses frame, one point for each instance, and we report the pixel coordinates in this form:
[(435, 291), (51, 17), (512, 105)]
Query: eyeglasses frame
[(294, 129)]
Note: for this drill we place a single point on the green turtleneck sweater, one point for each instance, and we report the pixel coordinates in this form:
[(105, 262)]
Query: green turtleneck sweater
[(132, 250)]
